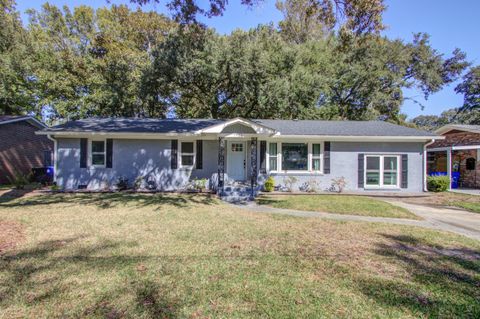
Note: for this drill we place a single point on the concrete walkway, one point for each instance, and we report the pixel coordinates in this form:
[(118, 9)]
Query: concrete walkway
[(452, 220)]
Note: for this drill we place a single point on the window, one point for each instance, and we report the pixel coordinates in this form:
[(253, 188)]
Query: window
[(187, 154), (316, 159), (272, 156), (470, 162), (381, 171), (98, 153), (295, 156), (237, 147)]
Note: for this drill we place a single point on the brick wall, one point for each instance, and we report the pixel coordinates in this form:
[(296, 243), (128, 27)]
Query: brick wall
[(457, 138), (21, 149)]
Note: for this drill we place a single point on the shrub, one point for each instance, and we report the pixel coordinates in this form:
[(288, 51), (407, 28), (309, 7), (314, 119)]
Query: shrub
[(289, 182), (269, 185), (310, 186), (438, 183), (137, 184), (122, 183), (19, 180), (200, 184), (339, 184)]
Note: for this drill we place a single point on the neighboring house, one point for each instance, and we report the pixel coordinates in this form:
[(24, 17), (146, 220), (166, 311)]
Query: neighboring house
[(20, 148), (457, 155), (370, 155)]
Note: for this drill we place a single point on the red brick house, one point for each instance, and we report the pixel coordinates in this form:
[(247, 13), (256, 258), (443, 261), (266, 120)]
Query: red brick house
[(20, 148), (457, 155)]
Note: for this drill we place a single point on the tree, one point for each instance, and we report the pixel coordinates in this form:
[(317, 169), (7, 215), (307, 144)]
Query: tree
[(451, 116), (253, 74), (16, 86), (89, 63), (261, 74), (357, 16), (470, 88)]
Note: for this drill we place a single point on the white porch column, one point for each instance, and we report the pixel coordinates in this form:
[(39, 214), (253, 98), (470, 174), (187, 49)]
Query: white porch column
[(449, 166)]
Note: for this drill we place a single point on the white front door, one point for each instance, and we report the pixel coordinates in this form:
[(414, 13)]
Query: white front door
[(236, 164)]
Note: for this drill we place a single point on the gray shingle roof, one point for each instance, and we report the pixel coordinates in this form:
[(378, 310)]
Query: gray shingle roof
[(341, 128), (131, 125), (284, 127)]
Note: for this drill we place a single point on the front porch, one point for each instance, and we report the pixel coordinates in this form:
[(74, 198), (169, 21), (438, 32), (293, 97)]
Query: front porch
[(458, 162)]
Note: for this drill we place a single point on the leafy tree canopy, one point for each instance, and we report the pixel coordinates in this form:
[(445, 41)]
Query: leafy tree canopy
[(325, 60), (451, 116), (470, 88)]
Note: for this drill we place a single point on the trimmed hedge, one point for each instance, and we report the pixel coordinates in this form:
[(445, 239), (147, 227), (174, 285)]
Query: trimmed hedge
[(438, 183)]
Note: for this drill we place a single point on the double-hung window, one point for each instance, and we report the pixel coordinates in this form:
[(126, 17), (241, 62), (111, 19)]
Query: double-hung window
[(187, 154), (316, 157), (98, 153), (381, 171), (272, 157)]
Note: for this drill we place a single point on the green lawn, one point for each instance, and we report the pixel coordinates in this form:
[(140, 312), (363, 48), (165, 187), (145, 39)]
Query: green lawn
[(142, 256), (465, 201), (339, 204)]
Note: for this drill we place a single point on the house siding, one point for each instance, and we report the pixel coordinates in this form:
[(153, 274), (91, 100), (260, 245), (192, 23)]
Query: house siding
[(133, 158), (20, 149), (344, 163)]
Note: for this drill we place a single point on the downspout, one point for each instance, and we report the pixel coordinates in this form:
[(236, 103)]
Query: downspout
[(425, 164), (54, 157)]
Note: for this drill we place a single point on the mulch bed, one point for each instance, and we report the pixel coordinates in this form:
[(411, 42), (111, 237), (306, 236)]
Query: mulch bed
[(11, 234)]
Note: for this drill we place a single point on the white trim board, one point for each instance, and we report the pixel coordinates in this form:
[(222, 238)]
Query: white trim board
[(24, 118), (278, 137)]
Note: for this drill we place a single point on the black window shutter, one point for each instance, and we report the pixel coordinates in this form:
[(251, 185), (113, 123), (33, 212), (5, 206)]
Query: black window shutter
[(404, 170), (199, 155), (263, 153), (361, 159), (326, 158), (174, 155), (83, 152), (109, 153)]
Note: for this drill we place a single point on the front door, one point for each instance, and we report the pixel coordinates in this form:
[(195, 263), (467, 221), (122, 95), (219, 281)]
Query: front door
[(236, 164)]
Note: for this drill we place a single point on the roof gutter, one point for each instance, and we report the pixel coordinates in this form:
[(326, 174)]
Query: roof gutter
[(54, 157), (425, 189)]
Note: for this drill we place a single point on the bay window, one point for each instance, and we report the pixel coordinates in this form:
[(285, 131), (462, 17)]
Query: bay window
[(295, 156), (381, 171)]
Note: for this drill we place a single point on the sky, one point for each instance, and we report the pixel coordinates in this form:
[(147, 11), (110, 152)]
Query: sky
[(451, 24)]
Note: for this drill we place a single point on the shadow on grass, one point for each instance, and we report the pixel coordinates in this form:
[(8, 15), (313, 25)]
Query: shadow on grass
[(12, 194), (109, 200), (38, 275), (268, 201), (441, 281)]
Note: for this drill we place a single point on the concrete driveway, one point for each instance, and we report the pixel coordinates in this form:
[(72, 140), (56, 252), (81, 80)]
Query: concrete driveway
[(450, 219)]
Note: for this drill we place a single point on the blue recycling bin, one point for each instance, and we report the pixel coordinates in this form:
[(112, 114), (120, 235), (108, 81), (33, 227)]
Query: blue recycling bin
[(455, 179)]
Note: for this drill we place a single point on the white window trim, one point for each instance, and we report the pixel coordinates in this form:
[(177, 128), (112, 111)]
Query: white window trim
[(179, 159), (309, 158), (90, 159), (381, 171)]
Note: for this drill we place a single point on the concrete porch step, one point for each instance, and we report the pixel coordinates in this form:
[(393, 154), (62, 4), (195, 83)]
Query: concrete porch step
[(238, 193)]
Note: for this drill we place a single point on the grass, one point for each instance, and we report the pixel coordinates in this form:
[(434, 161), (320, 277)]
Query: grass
[(472, 207), (464, 201), (339, 204), (143, 256)]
